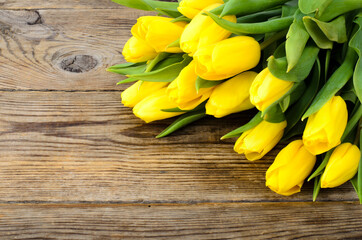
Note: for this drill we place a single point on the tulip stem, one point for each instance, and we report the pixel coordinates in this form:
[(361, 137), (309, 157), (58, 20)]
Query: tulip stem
[(358, 135), (272, 39)]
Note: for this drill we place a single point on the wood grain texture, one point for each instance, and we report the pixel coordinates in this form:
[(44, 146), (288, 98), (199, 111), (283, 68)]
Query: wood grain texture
[(45, 49), (57, 4), (76, 146), (200, 221)]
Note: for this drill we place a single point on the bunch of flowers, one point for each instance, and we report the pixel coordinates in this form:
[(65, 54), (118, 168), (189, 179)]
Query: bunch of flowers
[(297, 62)]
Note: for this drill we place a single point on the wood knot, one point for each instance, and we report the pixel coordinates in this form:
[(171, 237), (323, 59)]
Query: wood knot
[(78, 63), (35, 18)]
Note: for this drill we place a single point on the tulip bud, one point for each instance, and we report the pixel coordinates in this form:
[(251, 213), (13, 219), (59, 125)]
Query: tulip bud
[(231, 96), (266, 89), (158, 32), (227, 58), (291, 167), (190, 8), (140, 90), (258, 141), (150, 108), (203, 31), (342, 165), (183, 92), (325, 128), (136, 50)]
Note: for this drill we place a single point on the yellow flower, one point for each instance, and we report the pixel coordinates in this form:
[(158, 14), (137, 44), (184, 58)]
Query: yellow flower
[(231, 96), (325, 128), (342, 165), (227, 58), (140, 90), (203, 31), (291, 167), (150, 108), (137, 50), (258, 141), (190, 8), (266, 89), (182, 90), (159, 32)]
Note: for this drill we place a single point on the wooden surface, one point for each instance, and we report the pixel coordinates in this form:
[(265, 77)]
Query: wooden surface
[(76, 164)]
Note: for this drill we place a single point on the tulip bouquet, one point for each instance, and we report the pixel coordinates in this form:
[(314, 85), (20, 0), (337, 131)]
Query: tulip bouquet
[(297, 62)]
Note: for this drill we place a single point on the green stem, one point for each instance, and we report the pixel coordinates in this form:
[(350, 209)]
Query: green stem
[(156, 60), (273, 39)]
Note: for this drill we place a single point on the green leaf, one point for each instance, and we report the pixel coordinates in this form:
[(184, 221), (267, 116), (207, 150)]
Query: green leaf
[(181, 19), (200, 107), (321, 167), (352, 122), (335, 83), (167, 74), (274, 114), (161, 56), (126, 65), (294, 115), (279, 66), (316, 188), (337, 8), (297, 87), (137, 4), (172, 59), (289, 8), (297, 39), (174, 110), (127, 80), (356, 44), (237, 7), (202, 83), (251, 124), (148, 5), (131, 69), (274, 25), (326, 64), (311, 6), (259, 16), (183, 121), (324, 34)]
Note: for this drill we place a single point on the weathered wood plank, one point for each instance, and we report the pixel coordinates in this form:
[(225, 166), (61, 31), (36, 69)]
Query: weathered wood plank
[(76, 146), (56, 4), (63, 49), (201, 221)]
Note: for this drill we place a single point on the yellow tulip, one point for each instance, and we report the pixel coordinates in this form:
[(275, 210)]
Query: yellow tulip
[(203, 31), (140, 90), (291, 167), (325, 128), (258, 141), (231, 96), (266, 89), (227, 58), (136, 50), (150, 108), (190, 8), (182, 90), (159, 32), (342, 165)]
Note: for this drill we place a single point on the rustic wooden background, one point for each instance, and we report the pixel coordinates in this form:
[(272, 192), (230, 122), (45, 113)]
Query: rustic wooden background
[(76, 164)]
